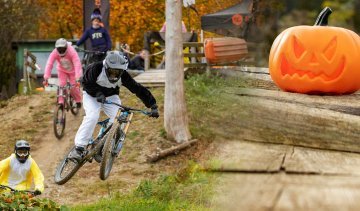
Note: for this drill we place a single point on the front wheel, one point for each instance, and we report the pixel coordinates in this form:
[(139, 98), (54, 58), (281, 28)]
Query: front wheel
[(66, 169), (73, 107), (59, 121), (108, 151)]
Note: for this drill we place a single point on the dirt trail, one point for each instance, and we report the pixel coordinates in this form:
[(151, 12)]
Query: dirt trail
[(31, 118)]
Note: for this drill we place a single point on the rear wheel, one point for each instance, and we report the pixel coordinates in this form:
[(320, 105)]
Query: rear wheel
[(109, 148), (59, 121), (66, 169)]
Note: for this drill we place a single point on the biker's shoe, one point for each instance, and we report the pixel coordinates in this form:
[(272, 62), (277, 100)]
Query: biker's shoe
[(77, 154), (78, 105)]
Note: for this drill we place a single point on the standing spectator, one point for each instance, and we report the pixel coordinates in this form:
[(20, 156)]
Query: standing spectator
[(99, 36)]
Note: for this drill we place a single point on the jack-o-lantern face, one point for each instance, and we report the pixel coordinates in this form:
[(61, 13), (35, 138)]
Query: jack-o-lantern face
[(316, 59)]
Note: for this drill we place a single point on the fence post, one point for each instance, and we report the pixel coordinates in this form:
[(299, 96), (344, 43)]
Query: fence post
[(25, 78)]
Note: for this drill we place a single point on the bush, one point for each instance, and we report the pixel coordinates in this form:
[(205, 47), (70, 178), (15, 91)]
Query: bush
[(24, 201)]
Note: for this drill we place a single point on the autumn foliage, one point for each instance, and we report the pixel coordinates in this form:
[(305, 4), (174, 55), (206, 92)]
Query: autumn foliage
[(129, 19)]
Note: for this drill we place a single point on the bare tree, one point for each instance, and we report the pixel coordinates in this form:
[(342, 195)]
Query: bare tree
[(175, 114)]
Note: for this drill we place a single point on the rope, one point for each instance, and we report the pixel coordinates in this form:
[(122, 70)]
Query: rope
[(132, 53)]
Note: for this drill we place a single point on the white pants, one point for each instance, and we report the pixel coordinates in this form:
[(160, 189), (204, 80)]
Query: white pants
[(92, 113)]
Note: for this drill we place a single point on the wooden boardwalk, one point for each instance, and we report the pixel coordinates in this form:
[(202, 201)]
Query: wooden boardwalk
[(287, 151), (152, 78)]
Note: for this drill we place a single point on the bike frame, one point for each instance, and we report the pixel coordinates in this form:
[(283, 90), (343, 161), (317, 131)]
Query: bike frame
[(63, 91), (87, 56)]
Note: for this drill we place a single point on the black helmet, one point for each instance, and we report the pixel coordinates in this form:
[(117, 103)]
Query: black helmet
[(115, 64), (22, 150)]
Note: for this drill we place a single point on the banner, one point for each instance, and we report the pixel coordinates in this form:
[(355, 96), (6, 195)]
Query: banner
[(89, 6)]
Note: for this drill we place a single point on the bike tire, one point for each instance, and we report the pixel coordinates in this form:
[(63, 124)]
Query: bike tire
[(62, 179), (73, 107), (107, 155), (59, 120)]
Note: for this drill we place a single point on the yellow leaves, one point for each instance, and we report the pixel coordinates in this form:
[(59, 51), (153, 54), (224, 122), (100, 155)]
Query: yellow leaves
[(129, 19)]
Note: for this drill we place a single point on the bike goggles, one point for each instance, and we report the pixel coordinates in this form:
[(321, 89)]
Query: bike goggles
[(22, 153), (114, 74)]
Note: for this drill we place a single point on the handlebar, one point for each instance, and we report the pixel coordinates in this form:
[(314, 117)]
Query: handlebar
[(125, 108), (88, 51), (18, 191), (55, 85)]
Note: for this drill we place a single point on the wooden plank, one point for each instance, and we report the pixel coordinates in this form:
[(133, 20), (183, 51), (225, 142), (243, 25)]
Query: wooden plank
[(246, 192), (274, 121), (342, 103), (322, 162), (151, 78), (286, 192), (318, 198), (247, 156), (241, 156)]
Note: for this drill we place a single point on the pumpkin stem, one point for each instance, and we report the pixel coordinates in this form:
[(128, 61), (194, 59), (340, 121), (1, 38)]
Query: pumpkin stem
[(322, 19)]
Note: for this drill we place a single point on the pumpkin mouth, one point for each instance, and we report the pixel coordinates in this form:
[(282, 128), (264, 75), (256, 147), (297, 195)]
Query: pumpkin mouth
[(288, 69)]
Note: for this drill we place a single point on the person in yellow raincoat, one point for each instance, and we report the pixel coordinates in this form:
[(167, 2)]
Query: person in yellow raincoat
[(20, 171)]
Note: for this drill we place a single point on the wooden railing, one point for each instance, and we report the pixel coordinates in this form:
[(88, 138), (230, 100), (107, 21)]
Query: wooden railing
[(29, 63)]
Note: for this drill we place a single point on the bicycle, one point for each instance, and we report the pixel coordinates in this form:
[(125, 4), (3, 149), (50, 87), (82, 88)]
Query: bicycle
[(89, 57), (59, 119), (109, 142), (5, 187)]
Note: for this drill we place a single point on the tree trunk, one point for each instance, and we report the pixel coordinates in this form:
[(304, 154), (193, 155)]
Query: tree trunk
[(175, 114)]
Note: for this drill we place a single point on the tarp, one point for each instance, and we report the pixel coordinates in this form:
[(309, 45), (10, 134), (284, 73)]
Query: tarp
[(233, 21)]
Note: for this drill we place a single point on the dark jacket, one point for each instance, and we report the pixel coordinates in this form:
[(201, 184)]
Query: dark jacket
[(100, 39), (92, 88), (137, 63)]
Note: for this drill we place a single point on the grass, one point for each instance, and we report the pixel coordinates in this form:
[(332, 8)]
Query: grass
[(208, 105), (188, 189)]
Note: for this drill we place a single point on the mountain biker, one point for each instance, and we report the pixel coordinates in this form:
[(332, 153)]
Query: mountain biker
[(101, 82), (68, 68), (19, 170), (99, 36)]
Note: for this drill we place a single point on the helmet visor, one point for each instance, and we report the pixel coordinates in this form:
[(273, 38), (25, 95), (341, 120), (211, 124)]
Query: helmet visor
[(114, 74), (61, 50)]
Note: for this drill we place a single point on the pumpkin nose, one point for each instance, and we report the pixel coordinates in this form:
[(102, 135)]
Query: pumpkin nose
[(313, 59)]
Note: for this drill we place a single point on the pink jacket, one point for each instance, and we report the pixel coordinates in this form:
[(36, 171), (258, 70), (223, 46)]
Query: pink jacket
[(70, 63)]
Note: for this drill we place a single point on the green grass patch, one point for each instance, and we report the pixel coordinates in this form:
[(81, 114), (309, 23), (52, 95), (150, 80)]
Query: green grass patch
[(133, 134), (207, 103), (189, 189)]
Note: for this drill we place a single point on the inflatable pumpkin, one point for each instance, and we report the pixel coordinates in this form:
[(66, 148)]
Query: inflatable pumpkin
[(316, 59)]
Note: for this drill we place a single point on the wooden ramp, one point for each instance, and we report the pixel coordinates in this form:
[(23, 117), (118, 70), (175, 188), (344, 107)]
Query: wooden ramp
[(285, 151), (267, 114), (152, 78)]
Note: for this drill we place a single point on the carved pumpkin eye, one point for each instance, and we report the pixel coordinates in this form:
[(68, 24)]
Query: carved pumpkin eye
[(299, 48), (329, 51)]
